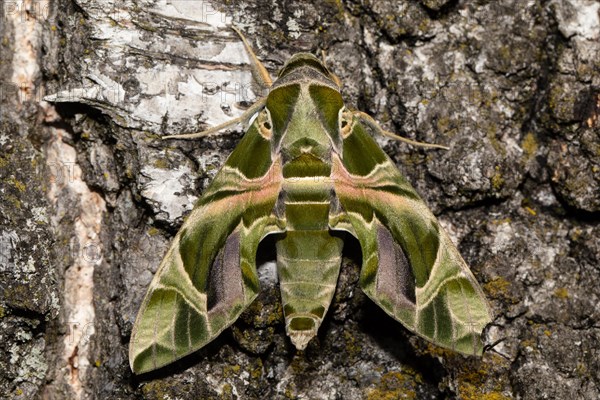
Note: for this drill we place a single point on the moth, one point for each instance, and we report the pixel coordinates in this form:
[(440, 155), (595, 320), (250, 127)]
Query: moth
[(307, 171)]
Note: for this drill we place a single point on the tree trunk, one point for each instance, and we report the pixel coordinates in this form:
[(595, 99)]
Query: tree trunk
[(91, 196)]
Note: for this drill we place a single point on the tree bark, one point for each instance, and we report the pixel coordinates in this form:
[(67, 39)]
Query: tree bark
[(91, 196)]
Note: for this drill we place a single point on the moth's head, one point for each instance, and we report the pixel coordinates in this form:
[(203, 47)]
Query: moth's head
[(306, 65)]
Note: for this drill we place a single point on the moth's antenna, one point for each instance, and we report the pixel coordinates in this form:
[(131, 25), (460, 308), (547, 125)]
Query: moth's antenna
[(371, 123), (335, 78), (259, 72), (254, 108), (260, 75)]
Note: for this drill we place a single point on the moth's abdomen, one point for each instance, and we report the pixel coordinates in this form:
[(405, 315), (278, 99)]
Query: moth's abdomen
[(308, 263), (308, 256)]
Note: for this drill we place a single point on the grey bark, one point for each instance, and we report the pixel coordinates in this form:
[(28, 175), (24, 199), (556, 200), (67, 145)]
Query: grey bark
[(88, 187)]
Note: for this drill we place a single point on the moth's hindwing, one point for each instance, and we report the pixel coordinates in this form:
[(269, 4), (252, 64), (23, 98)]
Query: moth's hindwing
[(410, 267), (208, 276)]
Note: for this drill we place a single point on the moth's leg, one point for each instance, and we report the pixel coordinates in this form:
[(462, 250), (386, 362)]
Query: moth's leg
[(259, 72), (371, 123), (254, 108)]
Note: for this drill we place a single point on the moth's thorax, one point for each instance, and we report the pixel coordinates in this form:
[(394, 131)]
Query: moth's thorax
[(304, 105), (305, 132)]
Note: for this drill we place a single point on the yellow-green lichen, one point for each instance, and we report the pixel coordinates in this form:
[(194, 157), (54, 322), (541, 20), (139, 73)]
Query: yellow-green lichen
[(257, 370), (492, 132), (231, 371), (227, 391), (153, 231), (501, 221), (13, 200), (497, 180), (129, 172), (528, 343), (149, 136), (473, 392), (582, 369), (443, 124), (478, 383), (353, 347), (339, 7), (289, 392), (424, 25), (256, 310), (210, 168), (505, 53), (20, 186), (529, 145), (396, 385), (561, 293), (161, 163), (575, 234), (561, 102), (436, 351), (498, 288), (164, 390), (530, 210), (146, 27), (156, 389)]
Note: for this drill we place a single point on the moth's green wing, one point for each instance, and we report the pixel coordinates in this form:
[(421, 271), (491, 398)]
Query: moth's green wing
[(410, 267), (208, 276)]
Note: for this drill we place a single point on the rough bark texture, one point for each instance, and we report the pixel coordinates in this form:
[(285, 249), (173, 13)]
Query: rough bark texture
[(90, 195)]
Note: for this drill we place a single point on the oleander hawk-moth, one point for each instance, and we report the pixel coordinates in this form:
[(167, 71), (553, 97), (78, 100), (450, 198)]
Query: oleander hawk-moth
[(308, 171)]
